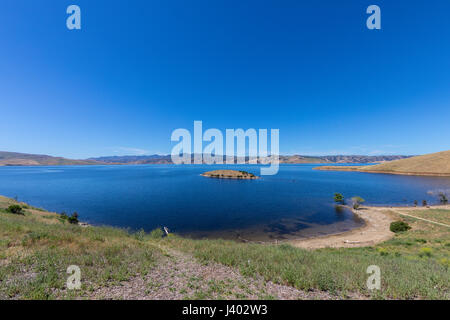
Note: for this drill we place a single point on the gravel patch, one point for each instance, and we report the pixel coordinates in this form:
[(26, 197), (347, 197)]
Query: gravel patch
[(179, 276)]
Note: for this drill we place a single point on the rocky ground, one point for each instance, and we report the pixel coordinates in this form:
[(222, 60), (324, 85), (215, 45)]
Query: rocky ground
[(180, 276)]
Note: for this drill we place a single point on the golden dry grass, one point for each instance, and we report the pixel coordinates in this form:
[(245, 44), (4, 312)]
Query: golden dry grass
[(433, 164)]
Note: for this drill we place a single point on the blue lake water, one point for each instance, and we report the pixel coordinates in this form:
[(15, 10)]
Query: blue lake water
[(296, 202)]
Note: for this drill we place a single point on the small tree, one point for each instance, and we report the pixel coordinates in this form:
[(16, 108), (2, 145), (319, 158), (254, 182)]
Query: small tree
[(443, 198), (339, 198), (15, 208), (424, 203), (357, 201), (73, 218)]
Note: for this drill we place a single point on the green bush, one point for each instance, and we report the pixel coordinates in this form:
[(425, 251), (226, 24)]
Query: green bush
[(445, 262), (156, 234), (140, 235), (15, 208), (73, 218), (399, 226), (426, 252)]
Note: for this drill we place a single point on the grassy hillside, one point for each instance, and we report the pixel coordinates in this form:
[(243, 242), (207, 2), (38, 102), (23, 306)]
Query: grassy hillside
[(36, 248), (434, 164), (24, 159)]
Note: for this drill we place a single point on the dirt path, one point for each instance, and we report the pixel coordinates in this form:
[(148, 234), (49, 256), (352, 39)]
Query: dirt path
[(180, 276), (430, 221), (375, 230)]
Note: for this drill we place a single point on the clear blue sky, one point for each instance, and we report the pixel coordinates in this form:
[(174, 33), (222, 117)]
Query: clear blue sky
[(139, 69)]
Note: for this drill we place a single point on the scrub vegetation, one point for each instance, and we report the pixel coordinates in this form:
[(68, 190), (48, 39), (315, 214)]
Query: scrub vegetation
[(36, 248)]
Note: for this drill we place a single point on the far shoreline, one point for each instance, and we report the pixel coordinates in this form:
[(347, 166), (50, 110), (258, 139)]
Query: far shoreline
[(356, 169)]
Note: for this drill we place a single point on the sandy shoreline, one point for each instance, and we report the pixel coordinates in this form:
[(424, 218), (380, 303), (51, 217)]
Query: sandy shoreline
[(376, 229)]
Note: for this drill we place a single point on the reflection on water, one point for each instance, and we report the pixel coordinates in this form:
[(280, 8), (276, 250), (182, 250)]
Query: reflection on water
[(297, 202), (285, 229)]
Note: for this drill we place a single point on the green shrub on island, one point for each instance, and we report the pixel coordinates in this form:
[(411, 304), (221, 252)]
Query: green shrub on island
[(15, 209), (399, 226), (245, 173)]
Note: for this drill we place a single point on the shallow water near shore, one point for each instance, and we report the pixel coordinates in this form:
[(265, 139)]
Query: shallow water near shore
[(297, 202)]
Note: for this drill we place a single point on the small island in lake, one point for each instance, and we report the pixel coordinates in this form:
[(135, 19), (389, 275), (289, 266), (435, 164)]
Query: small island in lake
[(229, 174)]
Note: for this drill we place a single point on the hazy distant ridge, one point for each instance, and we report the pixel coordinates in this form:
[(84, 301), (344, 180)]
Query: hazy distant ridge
[(150, 159), (166, 159), (25, 159)]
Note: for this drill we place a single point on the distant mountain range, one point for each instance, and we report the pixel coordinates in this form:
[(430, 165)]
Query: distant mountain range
[(339, 159), (166, 159), (150, 159), (24, 159)]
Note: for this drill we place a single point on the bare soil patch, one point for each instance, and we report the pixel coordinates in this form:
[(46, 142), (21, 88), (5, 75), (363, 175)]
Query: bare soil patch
[(375, 230), (179, 276)]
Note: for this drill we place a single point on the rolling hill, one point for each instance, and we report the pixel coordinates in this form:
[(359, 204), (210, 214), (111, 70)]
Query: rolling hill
[(292, 159), (25, 159), (433, 164), (144, 159)]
